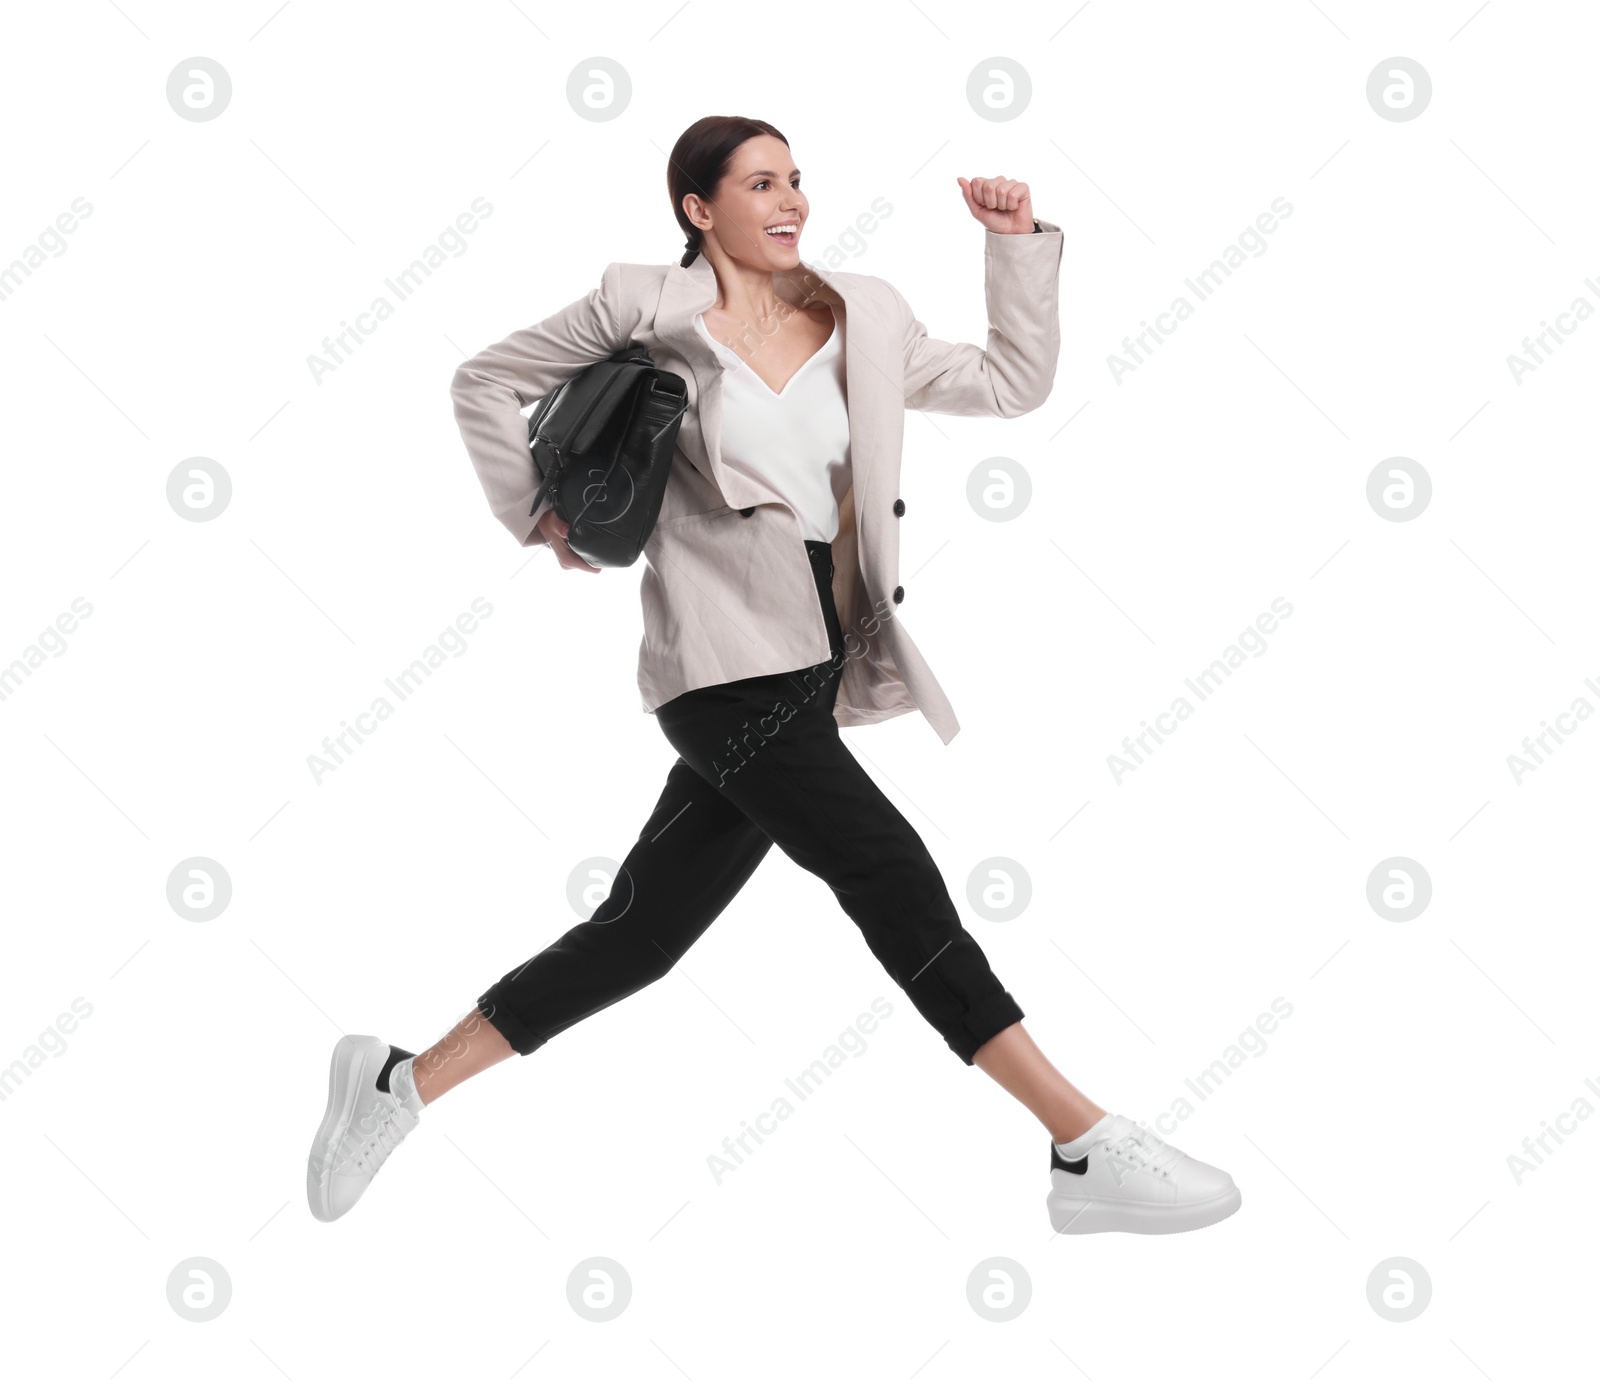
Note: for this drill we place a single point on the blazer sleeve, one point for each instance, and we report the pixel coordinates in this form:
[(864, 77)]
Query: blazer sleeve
[(490, 390), (1013, 375)]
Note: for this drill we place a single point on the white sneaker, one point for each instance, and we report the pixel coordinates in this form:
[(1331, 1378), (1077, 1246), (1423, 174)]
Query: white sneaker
[(364, 1122), (1125, 1178)]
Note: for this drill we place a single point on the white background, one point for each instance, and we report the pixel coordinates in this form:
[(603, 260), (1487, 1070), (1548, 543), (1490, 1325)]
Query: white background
[(1169, 510)]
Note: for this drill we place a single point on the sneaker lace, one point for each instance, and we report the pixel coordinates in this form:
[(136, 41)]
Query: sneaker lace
[(1143, 1147), (376, 1146)]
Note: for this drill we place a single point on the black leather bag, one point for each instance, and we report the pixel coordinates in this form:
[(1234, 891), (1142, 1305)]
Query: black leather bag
[(602, 445)]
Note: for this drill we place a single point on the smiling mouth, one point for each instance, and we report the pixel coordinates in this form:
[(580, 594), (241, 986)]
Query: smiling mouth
[(786, 233)]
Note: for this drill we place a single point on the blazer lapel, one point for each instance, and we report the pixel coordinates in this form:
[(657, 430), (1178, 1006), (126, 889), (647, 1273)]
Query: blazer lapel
[(688, 291)]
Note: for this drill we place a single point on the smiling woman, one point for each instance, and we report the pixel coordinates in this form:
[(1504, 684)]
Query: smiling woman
[(771, 599), (752, 158), (736, 181)]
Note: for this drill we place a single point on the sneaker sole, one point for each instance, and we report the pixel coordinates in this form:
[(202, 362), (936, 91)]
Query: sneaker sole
[(352, 1064), (1079, 1215)]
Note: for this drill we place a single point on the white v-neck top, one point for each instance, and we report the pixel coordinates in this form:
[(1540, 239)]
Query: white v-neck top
[(797, 442)]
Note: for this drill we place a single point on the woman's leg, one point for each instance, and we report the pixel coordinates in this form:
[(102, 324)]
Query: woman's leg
[(772, 748), (1014, 1062), (468, 1048), (691, 858), (783, 762)]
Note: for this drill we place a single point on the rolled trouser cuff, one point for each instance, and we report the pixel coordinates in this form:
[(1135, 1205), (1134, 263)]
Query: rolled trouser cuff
[(985, 1021), (495, 1011)]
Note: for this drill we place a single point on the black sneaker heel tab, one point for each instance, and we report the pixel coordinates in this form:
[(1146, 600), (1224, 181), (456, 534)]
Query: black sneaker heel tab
[(396, 1054), (1072, 1167)]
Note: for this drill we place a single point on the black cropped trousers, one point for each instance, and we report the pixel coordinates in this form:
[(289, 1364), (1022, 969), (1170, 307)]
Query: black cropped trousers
[(760, 762)]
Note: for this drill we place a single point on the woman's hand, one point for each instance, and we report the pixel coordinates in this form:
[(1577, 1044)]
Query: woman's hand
[(1001, 203), (555, 532)]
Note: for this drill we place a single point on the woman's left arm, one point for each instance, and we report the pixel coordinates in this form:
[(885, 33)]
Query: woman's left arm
[(1021, 266)]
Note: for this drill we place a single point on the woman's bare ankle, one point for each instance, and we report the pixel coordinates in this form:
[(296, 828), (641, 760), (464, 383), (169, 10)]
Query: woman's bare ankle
[(471, 1046)]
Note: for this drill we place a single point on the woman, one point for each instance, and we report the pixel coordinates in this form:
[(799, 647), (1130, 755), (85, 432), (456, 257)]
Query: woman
[(779, 513)]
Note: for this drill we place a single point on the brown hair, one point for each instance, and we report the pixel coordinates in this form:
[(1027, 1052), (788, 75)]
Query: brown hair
[(699, 161)]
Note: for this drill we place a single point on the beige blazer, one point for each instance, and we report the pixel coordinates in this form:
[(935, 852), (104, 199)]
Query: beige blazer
[(727, 590)]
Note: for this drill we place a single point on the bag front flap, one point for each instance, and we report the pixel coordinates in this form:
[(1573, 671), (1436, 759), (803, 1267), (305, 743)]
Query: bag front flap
[(579, 411)]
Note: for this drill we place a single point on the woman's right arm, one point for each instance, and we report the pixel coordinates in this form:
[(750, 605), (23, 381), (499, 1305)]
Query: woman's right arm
[(491, 388)]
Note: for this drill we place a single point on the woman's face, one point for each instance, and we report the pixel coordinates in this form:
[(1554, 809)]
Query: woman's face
[(759, 192)]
